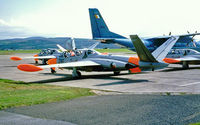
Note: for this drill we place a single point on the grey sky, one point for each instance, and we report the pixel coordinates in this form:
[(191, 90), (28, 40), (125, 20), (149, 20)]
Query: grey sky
[(70, 17)]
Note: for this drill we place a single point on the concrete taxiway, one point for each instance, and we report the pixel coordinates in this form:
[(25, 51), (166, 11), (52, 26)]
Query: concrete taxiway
[(172, 79)]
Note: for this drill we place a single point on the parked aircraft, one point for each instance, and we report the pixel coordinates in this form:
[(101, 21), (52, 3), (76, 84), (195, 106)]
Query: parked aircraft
[(47, 54), (91, 60), (101, 32), (44, 56), (184, 57)]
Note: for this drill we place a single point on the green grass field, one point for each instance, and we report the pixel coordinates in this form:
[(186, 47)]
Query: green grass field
[(195, 124), (17, 93), (9, 52), (114, 50)]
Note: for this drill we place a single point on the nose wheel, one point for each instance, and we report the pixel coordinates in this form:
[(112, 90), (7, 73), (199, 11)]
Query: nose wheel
[(36, 62), (116, 72), (53, 71), (76, 73)]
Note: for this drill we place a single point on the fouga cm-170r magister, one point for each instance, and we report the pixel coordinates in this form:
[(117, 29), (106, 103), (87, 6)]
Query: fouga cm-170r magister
[(91, 60)]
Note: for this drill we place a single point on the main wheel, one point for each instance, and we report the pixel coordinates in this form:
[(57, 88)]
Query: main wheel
[(76, 74), (185, 65), (53, 71), (116, 72)]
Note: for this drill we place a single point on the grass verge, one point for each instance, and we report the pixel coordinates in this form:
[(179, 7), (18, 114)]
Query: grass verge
[(114, 50), (9, 52), (17, 93), (195, 123)]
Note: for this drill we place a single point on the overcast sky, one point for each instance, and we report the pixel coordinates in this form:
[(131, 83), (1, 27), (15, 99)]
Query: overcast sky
[(70, 18)]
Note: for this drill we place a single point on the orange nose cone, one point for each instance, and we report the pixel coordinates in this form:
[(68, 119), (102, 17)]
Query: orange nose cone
[(36, 56), (15, 58), (170, 60), (28, 68), (52, 61)]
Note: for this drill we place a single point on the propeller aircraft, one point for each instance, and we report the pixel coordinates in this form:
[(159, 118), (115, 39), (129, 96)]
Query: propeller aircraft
[(101, 32)]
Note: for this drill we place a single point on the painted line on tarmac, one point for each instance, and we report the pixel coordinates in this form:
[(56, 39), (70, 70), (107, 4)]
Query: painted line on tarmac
[(194, 83)]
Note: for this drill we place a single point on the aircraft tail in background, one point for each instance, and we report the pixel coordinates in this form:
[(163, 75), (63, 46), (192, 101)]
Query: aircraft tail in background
[(100, 30), (153, 60)]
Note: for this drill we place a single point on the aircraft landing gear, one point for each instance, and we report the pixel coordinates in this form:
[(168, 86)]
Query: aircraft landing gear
[(185, 65), (53, 71), (76, 73), (44, 62), (116, 72), (36, 62)]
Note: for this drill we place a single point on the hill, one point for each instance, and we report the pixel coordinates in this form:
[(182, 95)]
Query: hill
[(42, 43)]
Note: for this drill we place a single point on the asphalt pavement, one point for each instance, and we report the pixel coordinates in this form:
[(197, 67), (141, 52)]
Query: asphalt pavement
[(125, 109)]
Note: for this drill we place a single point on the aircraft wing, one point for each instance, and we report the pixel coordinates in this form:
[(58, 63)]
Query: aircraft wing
[(72, 64), (33, 68), (15, 58), (183, 35), (188, 58)]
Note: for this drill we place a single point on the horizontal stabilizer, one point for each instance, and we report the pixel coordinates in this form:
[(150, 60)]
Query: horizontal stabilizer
[(161, 52), (61, 48)]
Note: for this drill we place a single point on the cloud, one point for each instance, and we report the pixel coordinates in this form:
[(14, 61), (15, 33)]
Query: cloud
[(8, 30)]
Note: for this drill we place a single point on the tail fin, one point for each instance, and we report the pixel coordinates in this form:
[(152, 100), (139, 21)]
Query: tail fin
[(143, 53), (158, 55), (99, 27)]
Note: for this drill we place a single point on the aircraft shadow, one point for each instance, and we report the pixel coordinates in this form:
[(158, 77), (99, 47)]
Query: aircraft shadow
[(67, 77), (178, 69), (125, 81)]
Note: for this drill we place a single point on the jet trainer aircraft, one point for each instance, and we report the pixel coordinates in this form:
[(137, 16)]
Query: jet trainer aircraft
[(184, 57), (44, 56), (91, 60), (47, 54), (101, 32)]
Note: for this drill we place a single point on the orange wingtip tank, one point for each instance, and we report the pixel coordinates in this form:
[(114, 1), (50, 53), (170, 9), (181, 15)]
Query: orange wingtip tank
[(36, 56), (170, 60), (104, 53), (15, 58), (28, 68)]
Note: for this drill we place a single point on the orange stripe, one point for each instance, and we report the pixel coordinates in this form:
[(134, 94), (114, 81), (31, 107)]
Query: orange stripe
[(134, 60), (135, 70)]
